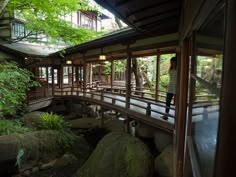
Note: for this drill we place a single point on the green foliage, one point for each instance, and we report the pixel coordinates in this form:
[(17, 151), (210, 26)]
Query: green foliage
[(48, 17), (14, 83), (8, 127), (119, 66), (50, 121), (107, 69), (65, 138)]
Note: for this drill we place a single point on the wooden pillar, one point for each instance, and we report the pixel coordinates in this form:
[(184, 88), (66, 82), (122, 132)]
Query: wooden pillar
[(47, 77), (84, 77), (180, 121), (102, 117), (61, 77), (90, 73), (77, 75), (112, 73), (53, 86), (128, 80), (127, 128), (226, 145), (73, 70), (157, 74)]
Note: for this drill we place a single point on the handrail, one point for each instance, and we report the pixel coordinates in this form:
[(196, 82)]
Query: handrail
[(102, 97)]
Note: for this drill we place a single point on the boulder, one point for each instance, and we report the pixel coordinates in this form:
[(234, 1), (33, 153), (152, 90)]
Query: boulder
[(39, 146), (65, 160), (80, 149), (32, 119), (162, 139), (84, 123), (164, 163), (118, 155), (144, 130)]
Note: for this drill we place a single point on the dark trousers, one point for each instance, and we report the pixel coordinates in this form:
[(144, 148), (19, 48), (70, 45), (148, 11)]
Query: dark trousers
[(169, 97)]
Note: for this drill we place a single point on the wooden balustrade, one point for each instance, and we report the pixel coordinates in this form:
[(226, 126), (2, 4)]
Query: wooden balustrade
[(102, 95)]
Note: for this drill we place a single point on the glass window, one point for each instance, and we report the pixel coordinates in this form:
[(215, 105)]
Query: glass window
[(205, 95)]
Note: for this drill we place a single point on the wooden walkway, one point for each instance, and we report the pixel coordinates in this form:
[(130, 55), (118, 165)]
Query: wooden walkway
[(141, 109)]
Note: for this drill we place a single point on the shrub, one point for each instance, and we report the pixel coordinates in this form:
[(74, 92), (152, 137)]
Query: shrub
[(50, 121), (12, 126)]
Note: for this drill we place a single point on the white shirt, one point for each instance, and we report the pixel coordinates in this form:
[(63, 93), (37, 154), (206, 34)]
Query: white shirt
[(173, 81)]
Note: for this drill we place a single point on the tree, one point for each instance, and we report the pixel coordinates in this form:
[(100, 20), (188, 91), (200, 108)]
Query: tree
[(48, 17), (14, 82), (138, 75), (3, 4)]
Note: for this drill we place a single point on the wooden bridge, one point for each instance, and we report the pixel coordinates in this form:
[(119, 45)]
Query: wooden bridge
[(141, 109), (138, 107)]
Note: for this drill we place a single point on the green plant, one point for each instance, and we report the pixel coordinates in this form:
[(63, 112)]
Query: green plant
[(12, 126), (50, 121)]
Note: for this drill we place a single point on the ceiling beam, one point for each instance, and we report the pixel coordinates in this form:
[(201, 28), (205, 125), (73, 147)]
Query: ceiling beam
[(123, 3), (156, 17), (156, 8)]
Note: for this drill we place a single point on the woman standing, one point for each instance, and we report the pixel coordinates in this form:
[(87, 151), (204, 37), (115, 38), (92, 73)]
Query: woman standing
[(171, 89)]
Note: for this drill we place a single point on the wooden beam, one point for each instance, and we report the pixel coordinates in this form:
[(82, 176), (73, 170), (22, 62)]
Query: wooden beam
[(128, 80), (73, 70), (182, 109), (187, 165), (160, 6), (157, 74), (157, 17), (226, 145), (53, 85), (84, 77), (112, 73)]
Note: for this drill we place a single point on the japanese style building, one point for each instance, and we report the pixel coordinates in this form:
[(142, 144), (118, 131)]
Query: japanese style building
[(201, 123)]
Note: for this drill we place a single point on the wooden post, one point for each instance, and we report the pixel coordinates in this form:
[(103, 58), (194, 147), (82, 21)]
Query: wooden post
[(148, 110), (53, 86), (226, 145), (127, 124), (61, 76), (84, 77), (77, 76), (187, 164), (47, 77), (73, 70), (112, 74), (128, 80), (157, 74), (102, 117), (182, 109)]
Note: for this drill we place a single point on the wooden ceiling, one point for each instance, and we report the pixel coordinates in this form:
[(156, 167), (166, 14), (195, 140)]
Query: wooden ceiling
[(146, 15)]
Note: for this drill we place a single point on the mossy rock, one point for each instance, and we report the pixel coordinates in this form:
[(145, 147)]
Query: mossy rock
[(32, 119), (118, 155), (164, 163)]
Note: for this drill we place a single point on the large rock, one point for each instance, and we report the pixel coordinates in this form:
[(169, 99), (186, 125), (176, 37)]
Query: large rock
[(32, 119), (84, 123), (38, 146), (162, 139), (144, 130), (80, 149), (118, 155), (164, 163)]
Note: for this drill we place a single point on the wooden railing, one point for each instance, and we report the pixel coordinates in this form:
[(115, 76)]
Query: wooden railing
[(148, 106)]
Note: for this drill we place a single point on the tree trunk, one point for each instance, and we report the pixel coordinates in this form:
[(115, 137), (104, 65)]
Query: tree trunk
[(149, 83), (138, 75)]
